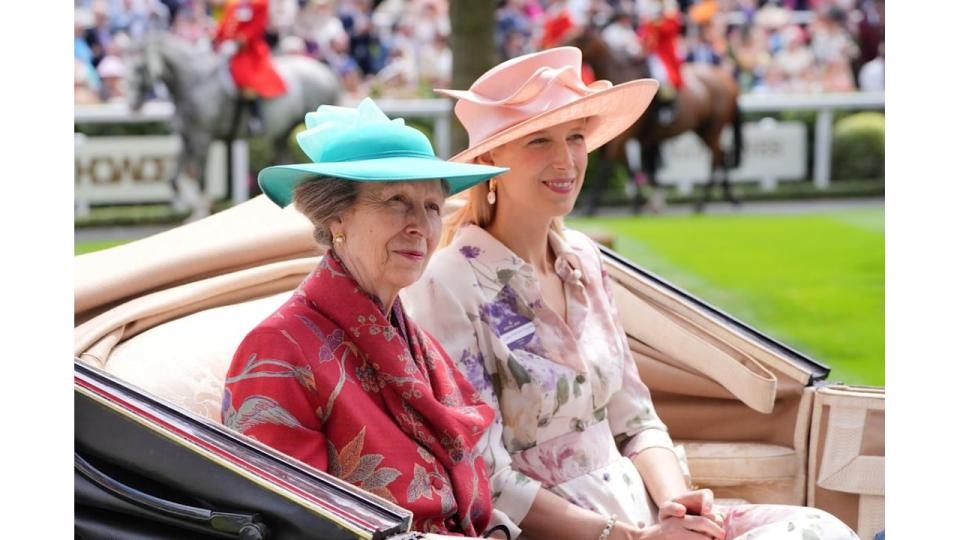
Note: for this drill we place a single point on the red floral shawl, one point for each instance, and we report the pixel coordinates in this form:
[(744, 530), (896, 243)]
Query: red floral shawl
[(387, 404)]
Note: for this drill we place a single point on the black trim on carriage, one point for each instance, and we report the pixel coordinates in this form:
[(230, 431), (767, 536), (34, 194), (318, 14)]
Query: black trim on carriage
[(245, 526), (380, 520)]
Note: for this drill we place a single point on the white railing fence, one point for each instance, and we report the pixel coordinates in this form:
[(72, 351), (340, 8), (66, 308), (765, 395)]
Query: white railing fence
[(438, 111), (825, 105)]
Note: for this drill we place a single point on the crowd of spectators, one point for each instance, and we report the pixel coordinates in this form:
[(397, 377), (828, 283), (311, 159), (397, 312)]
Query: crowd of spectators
[(770, 46), (400, 47)]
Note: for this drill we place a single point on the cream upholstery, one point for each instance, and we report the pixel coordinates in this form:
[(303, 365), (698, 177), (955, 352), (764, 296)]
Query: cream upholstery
[(746, 471), (847, 458), (185, 360), (738, 463), (730, 502)]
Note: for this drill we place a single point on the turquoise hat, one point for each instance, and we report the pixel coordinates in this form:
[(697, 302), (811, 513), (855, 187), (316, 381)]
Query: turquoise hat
[(364, 145)]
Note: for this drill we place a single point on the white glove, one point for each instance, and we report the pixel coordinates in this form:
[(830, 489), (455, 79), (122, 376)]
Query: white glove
[(229, 48)]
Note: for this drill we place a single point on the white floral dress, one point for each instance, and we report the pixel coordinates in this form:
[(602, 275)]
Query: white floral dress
[(571, 406)]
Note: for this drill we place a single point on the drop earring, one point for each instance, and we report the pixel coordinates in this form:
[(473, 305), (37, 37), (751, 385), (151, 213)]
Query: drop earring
[(492, 194)]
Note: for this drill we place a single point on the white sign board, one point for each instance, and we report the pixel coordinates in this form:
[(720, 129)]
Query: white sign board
[(112, 170), (773, 152)]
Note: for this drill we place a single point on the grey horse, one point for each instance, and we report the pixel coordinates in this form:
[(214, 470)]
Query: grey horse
[(205, 100)]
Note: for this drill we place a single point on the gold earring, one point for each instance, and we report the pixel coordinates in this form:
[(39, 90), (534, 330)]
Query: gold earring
[(339, 239), (492, 194)]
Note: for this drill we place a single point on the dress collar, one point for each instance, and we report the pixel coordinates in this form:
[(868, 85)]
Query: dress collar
[(475, 242)]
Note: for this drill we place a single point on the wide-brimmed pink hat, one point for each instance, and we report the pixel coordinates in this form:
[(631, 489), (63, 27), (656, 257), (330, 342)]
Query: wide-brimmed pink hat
[(543, 89)]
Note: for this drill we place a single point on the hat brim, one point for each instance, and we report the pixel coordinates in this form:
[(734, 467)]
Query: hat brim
[(278, 182), (612, 111)]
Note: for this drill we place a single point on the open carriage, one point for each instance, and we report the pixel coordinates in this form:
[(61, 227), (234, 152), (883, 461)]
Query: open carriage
[(157, 322)]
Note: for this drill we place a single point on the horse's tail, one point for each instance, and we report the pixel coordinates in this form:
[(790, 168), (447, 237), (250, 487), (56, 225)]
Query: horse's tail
[(735, 156)]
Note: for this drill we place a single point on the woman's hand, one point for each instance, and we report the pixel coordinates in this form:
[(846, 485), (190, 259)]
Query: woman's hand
[(673, 528), (683, 528), (698, 503)]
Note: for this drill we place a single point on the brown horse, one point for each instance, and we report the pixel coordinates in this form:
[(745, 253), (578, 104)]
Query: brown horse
[(705, 105)]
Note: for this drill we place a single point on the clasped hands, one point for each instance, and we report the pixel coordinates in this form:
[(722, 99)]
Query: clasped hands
[(691, 515)]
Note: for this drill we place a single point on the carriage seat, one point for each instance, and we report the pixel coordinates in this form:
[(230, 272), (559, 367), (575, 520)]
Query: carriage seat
[(746, 471), (184, 361)]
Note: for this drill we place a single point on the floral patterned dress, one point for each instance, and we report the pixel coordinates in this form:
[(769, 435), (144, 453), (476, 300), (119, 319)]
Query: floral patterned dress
[(571, 407), (334, 381)]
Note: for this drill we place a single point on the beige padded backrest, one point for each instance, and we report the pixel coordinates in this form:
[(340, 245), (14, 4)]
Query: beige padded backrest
[(185, 360), (253, 233)]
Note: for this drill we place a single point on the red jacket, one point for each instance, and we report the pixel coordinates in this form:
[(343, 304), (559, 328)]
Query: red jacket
[(245, 21), (660, 38), (556, 27)]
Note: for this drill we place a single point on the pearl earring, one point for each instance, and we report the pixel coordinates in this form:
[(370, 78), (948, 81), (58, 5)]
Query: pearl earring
[(492, 194)]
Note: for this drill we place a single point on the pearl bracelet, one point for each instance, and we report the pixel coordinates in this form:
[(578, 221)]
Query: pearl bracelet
[(606, 530)]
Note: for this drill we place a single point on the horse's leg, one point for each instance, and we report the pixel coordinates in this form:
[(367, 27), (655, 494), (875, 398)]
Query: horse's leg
[(733, 158), (727, 188), (281, 146), (229, 167), (600, 180), (201, 205), (710, 133), (658, 199), (639, 199), (707, 189), (720, 166), (235, 120), (205, 202), (179, 205), (199, 150), (650, 162)]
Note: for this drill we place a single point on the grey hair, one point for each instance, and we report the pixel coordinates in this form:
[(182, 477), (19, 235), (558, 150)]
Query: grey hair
[(323, 198)]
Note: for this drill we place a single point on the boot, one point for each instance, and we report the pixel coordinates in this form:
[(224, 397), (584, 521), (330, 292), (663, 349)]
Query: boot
[(255, 121)]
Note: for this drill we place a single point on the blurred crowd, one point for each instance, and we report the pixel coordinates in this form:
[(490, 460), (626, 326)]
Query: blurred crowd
[(400, 48)]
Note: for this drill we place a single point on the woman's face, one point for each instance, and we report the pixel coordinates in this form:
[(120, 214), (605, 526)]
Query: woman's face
[(546, 170), (390, 233)]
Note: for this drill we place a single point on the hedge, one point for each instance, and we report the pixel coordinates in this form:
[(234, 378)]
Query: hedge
[(858, 147)]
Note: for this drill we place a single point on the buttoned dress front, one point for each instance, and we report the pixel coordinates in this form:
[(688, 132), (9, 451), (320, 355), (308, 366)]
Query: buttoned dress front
[(571, 407)]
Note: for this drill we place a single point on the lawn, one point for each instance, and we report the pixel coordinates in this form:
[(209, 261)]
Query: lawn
[(80, 248), (813, 281)]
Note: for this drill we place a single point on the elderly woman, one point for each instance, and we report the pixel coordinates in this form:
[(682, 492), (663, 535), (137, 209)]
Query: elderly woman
[(524, 306), (339, 377)]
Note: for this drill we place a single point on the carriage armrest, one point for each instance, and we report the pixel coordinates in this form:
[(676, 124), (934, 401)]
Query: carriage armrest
[(755, 472)]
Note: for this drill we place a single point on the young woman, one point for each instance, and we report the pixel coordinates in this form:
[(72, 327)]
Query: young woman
[(577, 449)]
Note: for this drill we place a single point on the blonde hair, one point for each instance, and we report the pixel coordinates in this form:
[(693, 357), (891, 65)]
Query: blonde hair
[(478, 211)]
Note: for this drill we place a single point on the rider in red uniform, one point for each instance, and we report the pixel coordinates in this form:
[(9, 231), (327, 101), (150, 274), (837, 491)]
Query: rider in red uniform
[(558, 25), (244, 22), (659, 35)]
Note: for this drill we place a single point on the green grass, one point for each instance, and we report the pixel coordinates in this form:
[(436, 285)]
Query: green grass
[(813, 281), (80, 248)]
